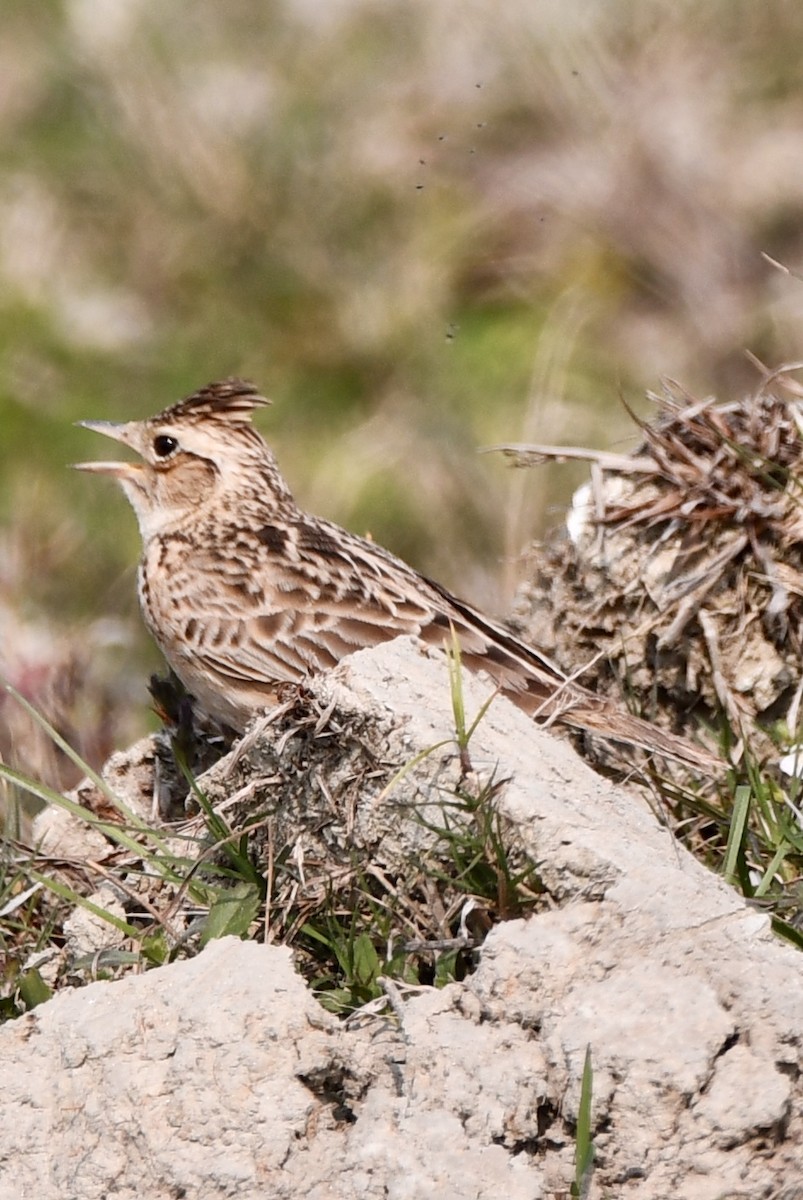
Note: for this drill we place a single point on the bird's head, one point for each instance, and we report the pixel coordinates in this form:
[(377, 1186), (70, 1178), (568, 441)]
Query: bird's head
[(190, 454)]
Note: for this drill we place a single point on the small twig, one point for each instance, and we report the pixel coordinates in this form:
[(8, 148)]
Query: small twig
[(324, 718), (527, 454), (779, 602), (118, 883), (687, 608), (255, 733), (246, 792), (777, 376), (598, 492), (779, 266), (723, 692), (395, 1001), (422, 946), (793, 714), (688, 593)]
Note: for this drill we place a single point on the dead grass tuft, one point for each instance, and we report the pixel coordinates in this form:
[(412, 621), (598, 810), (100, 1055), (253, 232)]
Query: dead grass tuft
[(681, 583)]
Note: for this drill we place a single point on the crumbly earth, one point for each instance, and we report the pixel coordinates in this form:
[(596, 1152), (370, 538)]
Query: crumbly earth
[(223, 1075)]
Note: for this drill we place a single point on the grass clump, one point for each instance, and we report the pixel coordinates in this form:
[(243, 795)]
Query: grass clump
[(747, 827), (305, 836)]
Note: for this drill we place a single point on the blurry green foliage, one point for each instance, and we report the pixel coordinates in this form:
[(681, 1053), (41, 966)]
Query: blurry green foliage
[(420, 228)]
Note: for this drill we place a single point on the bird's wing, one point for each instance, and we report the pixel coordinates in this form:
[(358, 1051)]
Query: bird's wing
[(324, 594), (293, 601), (320, 594)]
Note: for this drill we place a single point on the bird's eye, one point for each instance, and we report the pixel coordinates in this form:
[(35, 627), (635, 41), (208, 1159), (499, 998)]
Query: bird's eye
[(164, 446)]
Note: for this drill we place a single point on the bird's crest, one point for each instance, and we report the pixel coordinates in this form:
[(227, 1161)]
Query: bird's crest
[(230, 400)]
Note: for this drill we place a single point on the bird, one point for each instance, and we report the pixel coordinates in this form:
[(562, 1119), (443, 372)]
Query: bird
[(244, 592)]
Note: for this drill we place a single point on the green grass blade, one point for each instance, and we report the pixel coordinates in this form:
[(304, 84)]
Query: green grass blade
[(67, 749), (409, 766), (455, 664), (74, 756), (115, 833), (771, 871), (67, 893), (584, 1145), (483, 710), (738, 825), (787, 931)]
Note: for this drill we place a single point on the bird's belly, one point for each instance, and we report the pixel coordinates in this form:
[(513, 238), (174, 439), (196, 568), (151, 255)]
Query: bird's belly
[(200, 644)]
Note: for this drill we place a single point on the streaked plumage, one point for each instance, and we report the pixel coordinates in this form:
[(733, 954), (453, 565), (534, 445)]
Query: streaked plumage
[(243, 591)]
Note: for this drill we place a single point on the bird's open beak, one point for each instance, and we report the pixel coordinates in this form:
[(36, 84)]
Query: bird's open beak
[(120, 431)]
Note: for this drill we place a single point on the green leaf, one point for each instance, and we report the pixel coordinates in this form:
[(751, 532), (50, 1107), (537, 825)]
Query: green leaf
[(33, 988), (446, 968), (232, 912), (155, 948), (366, 965), (337, 1001)]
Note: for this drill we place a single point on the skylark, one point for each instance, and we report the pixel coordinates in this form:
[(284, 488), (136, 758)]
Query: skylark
[(244, 592)]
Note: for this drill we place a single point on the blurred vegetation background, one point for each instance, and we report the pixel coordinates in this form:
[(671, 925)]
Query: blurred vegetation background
[(420, 228)]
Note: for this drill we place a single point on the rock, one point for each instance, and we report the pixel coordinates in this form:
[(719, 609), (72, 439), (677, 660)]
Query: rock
[(222, 1075), (87, 932)]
